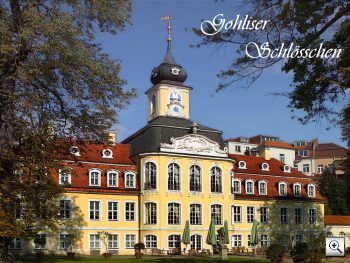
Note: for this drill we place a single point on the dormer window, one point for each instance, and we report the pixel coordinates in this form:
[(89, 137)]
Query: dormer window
[(282, 189), (249, 187), (64, 176), (129, 180), (265, 167), (107, 153), (242, 165), (112, 178), (95, 177), (286, 169), (75, 150), (236, 186), (262, 188), (311, 190), (297, 189)]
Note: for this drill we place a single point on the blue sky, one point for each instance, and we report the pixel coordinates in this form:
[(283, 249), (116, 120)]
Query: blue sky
[(237, 112)]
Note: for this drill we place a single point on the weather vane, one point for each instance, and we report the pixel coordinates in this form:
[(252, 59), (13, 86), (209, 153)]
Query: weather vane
[(169, 27)]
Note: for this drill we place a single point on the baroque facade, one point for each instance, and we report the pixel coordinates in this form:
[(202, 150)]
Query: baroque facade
[(175, 170)]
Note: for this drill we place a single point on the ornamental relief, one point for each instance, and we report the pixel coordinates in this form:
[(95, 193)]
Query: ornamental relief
[(193, 144)]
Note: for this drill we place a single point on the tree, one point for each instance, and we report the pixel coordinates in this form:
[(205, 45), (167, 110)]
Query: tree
[(55, 81), (335, 191), (318, 83)]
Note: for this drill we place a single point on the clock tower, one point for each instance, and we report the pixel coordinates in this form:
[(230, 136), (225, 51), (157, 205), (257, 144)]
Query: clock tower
[(169, 96)]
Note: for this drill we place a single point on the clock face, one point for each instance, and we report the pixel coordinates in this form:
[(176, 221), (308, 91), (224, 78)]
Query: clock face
[(175, 71)]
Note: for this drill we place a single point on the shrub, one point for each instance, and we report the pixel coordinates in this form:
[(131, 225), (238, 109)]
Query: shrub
[(139, 246), (300, 252), (275, 252)]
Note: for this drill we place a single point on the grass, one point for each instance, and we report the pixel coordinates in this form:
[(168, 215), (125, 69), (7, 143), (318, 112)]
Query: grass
[(127, 259)]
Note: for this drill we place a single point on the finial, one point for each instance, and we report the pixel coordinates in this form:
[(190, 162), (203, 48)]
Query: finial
[(169, 28)]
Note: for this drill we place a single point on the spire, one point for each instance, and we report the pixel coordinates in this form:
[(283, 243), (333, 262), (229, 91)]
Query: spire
[(168, 57)]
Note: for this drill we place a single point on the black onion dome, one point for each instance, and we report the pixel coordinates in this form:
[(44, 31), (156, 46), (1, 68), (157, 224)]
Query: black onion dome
[(168, 70)]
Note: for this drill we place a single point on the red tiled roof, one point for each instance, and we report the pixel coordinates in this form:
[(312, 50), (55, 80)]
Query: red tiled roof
[(285, 145), (336, 220), (329, 150), (238, 139)]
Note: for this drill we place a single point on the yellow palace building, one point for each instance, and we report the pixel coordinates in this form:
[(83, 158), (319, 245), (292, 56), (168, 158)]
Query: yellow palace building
[(174, 170)]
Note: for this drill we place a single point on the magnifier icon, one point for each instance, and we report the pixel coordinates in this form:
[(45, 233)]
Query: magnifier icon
[(334, 245)]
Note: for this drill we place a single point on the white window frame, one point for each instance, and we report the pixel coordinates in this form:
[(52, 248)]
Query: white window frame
[(39, 247), (315, 216), (267, 214), (99, 211), (308, 190), (107, 209), (96, 241), (113, 240), (236, 240), (279, 189), (190, 178), (266, 168), (93, 170), (286, 215), (133, 174), (173, 183), (17, 244), (265, 183), (135, 211), (213, 173), (128, 241), (308, 167), (116, 172), (145, 175), (295, 185), (264, 242), (222, 214), (242, 165), (297, 216), (70, 209), (320, 168), (68, 174), (239, 186), (107, 156), (246, 186), (147, 216), (233, 214), (180, 213), (152, 242), (200, 216), (250, 214)]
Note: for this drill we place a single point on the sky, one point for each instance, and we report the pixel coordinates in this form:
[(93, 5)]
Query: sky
[(235, 111)]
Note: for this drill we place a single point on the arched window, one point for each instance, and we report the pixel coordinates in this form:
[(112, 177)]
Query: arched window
[(129, 180), (150, 176), (195, 178), (196, 242), (282, 189), (112, 178), (342, 234), (216, 180), (173, 176), (262, 188), (65, 176), (174, 96), (174, 241), (236, 186), (297, 189), (249, 187), (150, 241), (150, 213), (311, 190), (173, 214), (216, 214), (95, 177)]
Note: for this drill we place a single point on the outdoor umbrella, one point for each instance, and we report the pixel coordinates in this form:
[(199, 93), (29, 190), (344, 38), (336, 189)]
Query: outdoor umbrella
[(226, 236), (254, 234), (211, 237), (186, 234)]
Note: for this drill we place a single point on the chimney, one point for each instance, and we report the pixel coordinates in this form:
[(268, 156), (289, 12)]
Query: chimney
[(112, 137), (265, 152)]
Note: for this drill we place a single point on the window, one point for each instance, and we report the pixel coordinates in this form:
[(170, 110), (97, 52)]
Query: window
[(195, 214), (174, 96), (236, 240), (195, 178), (265, 167), (40, 241), (113, 241), (216, 180), (331, 168), (174, 241), (236, 186), (216, 214), (341, 233), (283, 215), (113, 208), (282, 189), (236, 214), (95, 177), (150, 176), (311, 190), (282, 158), (249, 187), (297, 189), (107, 153), (65, 241), (298, 238), (65, 209), (150, 213), (129, 180), (242, 165), (130, 211), (238, 148), (196, 242), (312, 216), (262, 188), (153, 104), (16, 243), (95, 241), (319, 168), (298, 216), (303, 153), (112, 179), (150, 241), (248, 243), (130, 240), (75, 150), (173, 176), (306, 168), (329, 234), (263, 240), (65, 176), (173, 214), (264, 214), (286, 168), (94, 210), (250, 214)]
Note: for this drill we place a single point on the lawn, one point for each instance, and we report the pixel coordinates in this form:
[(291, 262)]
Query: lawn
[(126, 259)]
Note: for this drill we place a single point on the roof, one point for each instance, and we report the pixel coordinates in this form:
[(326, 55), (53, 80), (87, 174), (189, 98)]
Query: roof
[(330, 150), (284, 145), (92, 152), (336, 220), (162, 129)]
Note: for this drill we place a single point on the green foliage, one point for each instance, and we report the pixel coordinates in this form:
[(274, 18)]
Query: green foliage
[(275, 251), (318, 83), (300, 252), (55, 81), (139, 246)]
